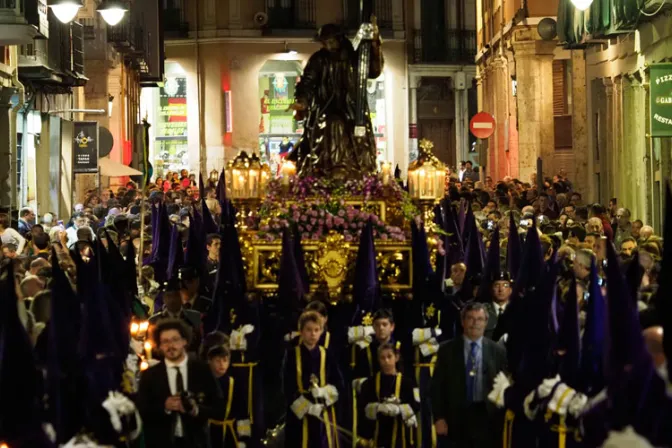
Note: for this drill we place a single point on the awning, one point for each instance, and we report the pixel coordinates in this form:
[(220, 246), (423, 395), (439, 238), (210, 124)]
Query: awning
[(111, 168)]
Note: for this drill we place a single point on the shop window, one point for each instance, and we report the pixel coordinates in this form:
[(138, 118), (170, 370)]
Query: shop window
[(171, 151)]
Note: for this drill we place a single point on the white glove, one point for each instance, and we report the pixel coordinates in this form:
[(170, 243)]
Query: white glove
[(501, 383), (132, 362), (317, 392), (429, 348), (406, 411), (80, 442), (300, 407), (389, 409), (357, 384), (371, 410), (362, 335), (247, 329), (577, 405), (237, 341), (49, 431), (291, 335), (241, 445), (330, 394), (411, 422), (118, 405), (244, 428), (562, 396), (530, 411), (504, 339), (421, 335), (546, 387), (316, 410)]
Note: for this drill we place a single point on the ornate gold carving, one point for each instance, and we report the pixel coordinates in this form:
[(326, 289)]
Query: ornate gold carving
[(333, 259)]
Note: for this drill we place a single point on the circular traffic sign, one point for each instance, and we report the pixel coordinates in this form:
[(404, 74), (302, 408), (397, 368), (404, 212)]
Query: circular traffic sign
[(482, 125)]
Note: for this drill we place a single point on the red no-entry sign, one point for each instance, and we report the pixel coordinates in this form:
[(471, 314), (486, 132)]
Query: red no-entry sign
[(482, 125)]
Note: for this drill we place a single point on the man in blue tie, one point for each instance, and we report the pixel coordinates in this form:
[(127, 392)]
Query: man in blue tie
[(463, 417)]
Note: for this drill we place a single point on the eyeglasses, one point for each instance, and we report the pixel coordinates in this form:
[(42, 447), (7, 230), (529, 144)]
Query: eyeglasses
[(172, 341)]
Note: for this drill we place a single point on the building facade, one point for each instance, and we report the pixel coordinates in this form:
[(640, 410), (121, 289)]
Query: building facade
[(47, 84), (231, 68), (628, 157), (534, 88), (442, 94)]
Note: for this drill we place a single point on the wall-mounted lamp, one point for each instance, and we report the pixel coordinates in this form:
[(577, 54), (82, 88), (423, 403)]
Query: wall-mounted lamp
[(289, 50), (112, 11), (65, 10), (110, 104)]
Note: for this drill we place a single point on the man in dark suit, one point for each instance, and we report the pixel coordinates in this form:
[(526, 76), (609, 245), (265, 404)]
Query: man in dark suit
[(177, 396), (174, 309), (501, 293), (465, 370)]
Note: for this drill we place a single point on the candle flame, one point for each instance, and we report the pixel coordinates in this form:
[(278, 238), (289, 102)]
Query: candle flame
[(143, 366), (134, 330), (148, 345), (144, 325)]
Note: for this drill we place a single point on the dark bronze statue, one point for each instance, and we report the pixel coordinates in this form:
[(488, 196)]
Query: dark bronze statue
[(326, 98)]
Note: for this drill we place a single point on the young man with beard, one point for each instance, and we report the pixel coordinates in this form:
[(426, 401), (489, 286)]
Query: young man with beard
[(178, 395)]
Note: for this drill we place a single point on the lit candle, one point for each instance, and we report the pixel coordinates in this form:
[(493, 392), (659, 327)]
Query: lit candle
[(421, 182), (254, 184), (134, 329), (288, 170), (144, 326), (144, 365), (236, 184), (386, 170), (148, 349)]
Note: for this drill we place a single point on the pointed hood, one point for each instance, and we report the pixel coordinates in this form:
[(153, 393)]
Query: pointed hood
[(365, 288), (454, 247), (230, 287), (422, 268), (532, 260), (491, 269), (462, 217), (195, 253), (513, 248), (131, 269), (568, 346), (626, 343), (290, 286), (161, 244), (397, 172), (300, 258), (176, 254), (209, 224), (438, 280), (63, 364), (664, 295), (19, 377), (224, 202), (474, 255), (593, 343), (633, 276)]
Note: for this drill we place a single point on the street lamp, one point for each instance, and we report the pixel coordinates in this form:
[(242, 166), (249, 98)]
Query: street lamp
[(582, 5), (112, 11), (65, 10)]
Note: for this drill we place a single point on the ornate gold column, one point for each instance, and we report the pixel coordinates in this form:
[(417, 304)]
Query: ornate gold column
[(534, 73)]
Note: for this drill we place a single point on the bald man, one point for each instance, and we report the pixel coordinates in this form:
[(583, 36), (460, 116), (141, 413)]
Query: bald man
[(645, 233), (653, 337)]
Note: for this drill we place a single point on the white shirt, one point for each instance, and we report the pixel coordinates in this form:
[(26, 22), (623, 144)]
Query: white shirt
[(172, 382), (11, 236), (499, 309)]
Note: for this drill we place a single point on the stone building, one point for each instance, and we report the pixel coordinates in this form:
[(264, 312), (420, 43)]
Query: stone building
[(623, 40), (535, 90)]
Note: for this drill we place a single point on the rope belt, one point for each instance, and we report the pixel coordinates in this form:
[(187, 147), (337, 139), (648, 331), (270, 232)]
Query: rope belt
[(226, 425)]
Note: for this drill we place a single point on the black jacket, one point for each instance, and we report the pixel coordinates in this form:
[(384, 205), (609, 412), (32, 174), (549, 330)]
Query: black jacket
[(158, 424)]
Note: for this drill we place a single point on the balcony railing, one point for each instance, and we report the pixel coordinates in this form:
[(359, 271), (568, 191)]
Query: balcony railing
[(174, 24), (285, 15), (122, 35), (77, 48), (454, 46), (382, 9)]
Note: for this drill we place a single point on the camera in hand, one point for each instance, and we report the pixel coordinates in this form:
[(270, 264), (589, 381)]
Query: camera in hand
[(187, 402)]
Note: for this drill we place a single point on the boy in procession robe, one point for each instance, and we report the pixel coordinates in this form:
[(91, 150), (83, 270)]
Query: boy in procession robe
[(309, 379), (389, 405)]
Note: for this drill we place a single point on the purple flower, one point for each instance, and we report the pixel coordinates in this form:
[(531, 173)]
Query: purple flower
[(361, 225), (305, 235), (341, 213), (313, 221), (300, 226), (329, 224), (320, 222), (353, 225), (348, 238), (304, 218), (314, 213), (265, 228), (315, 237), (296, 216), (383, 237), (309, 227)]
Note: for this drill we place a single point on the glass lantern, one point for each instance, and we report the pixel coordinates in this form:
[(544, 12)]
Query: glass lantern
[(426, 175)]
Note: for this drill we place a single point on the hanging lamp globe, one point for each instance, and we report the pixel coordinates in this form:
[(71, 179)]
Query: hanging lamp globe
[(65, 10), (582, 5), (112, 11)]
